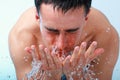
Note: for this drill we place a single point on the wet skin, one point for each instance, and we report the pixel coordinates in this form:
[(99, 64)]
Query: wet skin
[(71, 63), (66, 32), (58, 31)]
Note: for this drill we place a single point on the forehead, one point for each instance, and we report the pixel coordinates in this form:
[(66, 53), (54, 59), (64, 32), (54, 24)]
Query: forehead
[(49, 15)]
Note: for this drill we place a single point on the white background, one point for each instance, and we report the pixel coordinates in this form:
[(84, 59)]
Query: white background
[(10, 10)]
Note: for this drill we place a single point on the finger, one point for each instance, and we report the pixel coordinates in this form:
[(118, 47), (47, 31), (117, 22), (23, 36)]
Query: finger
[(73, 59), (82, 48), (96, 53), (43, 56), (56, 60), (81, 55), (42, 53), (28, 49), (34, 52), (49, 58), (91, 49), (67, 62)]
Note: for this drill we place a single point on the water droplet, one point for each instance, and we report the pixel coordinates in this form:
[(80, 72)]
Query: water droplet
[(98, 59), (99, 73), (92, 66), (9, 76), (73, 73), (94, 61), (26, 58), (97, 63), (107, 60), (48, 74), (36, 69), (108, 29)]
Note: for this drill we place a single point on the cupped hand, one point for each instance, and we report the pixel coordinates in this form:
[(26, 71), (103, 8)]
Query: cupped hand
[(75, 64), (50, 62)]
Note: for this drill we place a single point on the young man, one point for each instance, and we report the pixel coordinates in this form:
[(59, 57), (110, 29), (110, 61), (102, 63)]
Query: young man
[(78, 34)]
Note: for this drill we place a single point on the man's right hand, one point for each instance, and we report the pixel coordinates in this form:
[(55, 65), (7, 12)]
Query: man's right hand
[(51, 64)]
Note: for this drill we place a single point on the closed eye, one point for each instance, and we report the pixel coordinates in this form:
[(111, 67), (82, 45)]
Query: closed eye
[(52, 30), (72, 30)]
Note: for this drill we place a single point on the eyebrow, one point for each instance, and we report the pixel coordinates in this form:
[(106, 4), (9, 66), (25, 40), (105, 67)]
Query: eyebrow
[(51, 29), (55, 30), (72, 30)]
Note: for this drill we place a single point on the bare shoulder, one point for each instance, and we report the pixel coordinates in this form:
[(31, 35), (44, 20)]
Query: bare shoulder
[(22, 35), (24, 29), (27, 20), (105, 33), (107, 38), (18, 40), (101, 28)]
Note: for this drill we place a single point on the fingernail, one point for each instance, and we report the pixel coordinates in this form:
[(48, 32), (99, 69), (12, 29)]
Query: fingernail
[(94, 43), (83, 44), (28, 49), (46, 50), (33, 46), (41, 46), (69, 56), (77, 48)]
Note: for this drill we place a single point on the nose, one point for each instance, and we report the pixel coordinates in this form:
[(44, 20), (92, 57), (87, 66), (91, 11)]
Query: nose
[(61, 42)]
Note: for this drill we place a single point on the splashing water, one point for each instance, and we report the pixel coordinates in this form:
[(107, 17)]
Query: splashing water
[(62, 54), (38, 74), (86, 73), (35, 72)]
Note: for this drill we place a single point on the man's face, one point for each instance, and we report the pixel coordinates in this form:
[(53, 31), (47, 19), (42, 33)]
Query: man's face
[(59, 30)]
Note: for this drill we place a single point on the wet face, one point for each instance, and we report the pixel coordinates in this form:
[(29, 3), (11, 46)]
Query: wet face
[(60, 30)]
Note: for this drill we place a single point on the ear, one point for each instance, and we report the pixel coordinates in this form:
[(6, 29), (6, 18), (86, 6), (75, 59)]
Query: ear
[(86, 18), (36, 15)]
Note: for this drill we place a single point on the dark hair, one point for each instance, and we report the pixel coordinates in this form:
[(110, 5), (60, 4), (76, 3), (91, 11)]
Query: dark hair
[(65, 5)]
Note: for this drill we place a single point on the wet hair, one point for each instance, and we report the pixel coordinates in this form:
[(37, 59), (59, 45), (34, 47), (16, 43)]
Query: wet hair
[(65, 5)]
